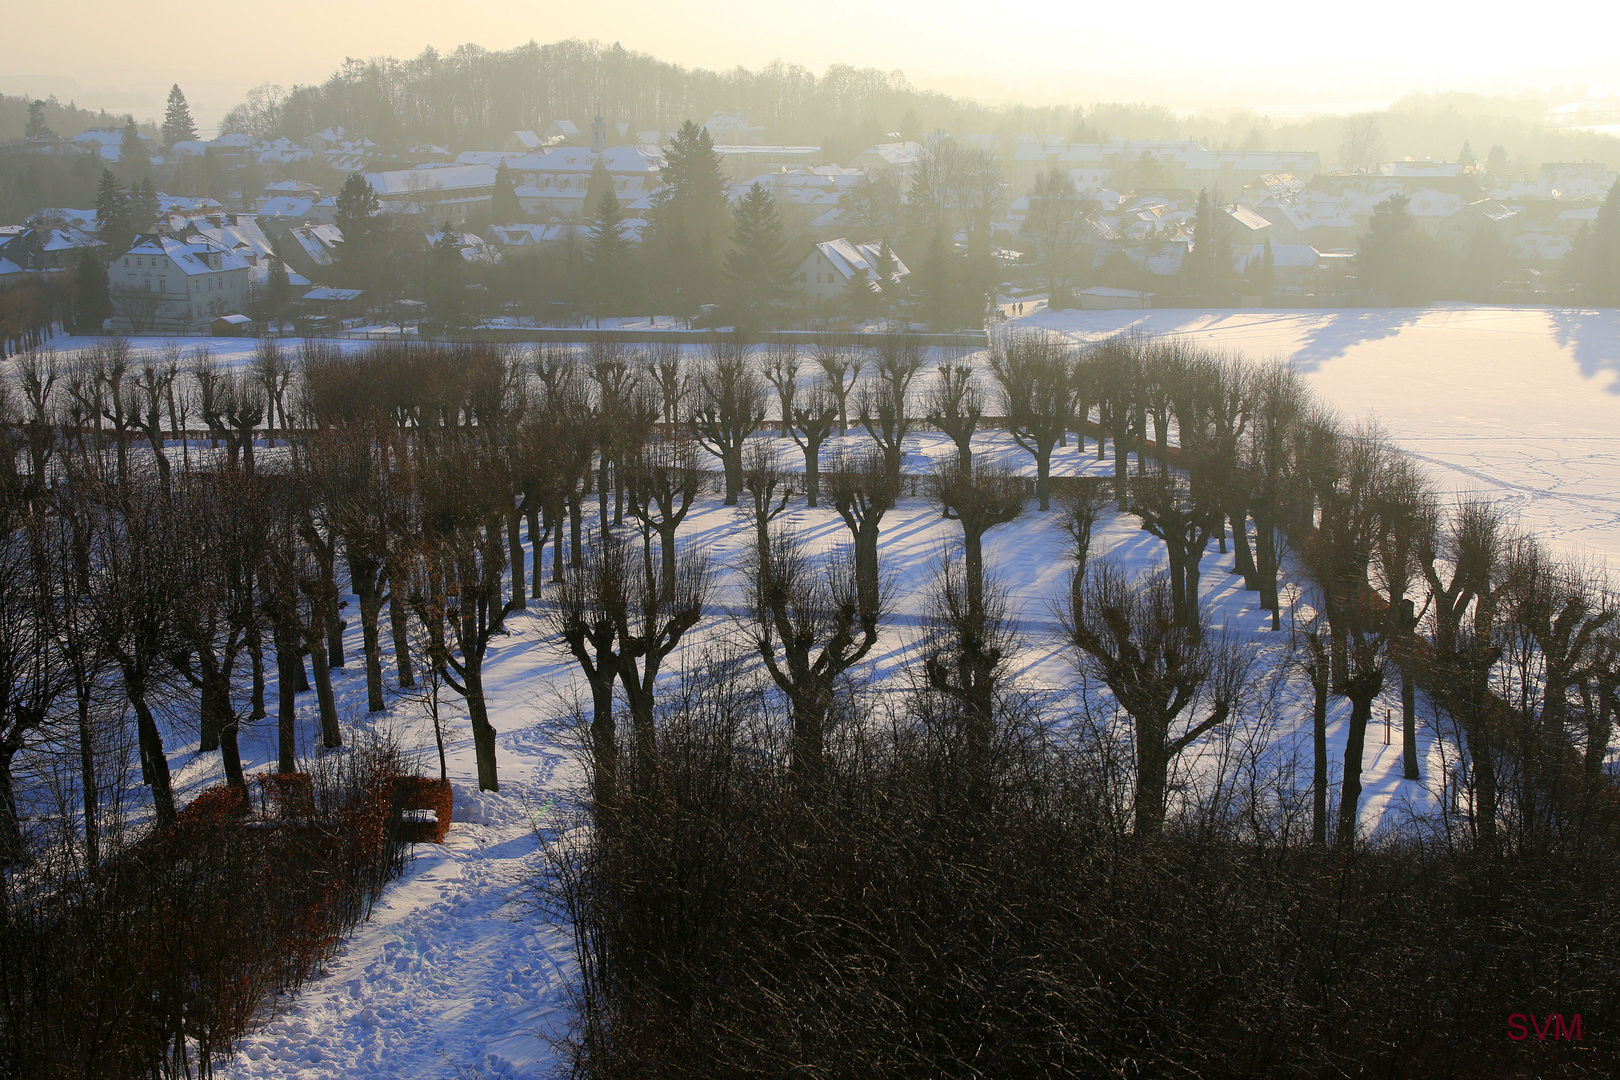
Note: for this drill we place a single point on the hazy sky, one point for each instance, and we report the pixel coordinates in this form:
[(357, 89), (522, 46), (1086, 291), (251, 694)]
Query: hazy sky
[(123, 56)]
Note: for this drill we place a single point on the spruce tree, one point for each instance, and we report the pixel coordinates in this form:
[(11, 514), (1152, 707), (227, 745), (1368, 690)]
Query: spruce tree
[(607, 254), (113, 217), (445, 287), (599, 183), (1395, 255), (691, 203), (143, 205), (355, 215), (758, 266), (92, 296), (503, 203), (133, 160), (37, 127), (1600, 275), (177, 125)]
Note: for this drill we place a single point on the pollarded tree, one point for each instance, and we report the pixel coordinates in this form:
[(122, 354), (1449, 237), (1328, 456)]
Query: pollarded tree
[(862, 490), (1037, 392), (458, 588), (814, 415), (1119, 370), (1126, 634), (780, 365), (842, 367), (663, 481), (886, 399), (729, 408), (809, 628), (955, 407)]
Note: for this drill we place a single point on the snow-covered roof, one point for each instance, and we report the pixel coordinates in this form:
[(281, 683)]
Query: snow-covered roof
[(895, 154), (1247, 218), (431, 179), (333, 294), (187, 254), (852, 260), (292, 187), (285, 206)]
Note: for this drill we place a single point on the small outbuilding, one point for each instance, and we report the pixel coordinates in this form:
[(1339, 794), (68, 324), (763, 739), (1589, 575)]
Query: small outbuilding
[(232, 326)]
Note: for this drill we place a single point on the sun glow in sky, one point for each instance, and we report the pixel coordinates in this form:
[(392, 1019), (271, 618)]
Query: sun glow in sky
[(122, 56)]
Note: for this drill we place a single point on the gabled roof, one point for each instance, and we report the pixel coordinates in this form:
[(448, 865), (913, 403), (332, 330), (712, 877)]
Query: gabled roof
[(185, 253), (859, 260)]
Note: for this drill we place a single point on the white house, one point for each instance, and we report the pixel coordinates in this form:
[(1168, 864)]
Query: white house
[(826, 271), (176, 283)]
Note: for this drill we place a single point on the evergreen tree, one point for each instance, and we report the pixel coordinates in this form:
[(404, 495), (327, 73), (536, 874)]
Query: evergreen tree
[(1599, 267), (600, 183), (37, 127), (92, 296), (1465, 156), (177, 125), (1496, 162), (446, 289), (691, 203), (1395, 256), (133, 160), (607, 255), (1198, 268), (113, 217), (355, 215), (143, 205), (1263, 273), (758, 266), (503, 204), (279, 285)]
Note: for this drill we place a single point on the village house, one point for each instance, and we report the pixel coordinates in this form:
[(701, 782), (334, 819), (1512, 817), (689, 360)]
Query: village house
[(435, 193), (894, 158), (829, 267), (176, 283)]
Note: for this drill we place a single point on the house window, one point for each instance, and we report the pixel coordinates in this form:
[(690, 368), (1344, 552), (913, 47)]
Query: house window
[(803, 278)]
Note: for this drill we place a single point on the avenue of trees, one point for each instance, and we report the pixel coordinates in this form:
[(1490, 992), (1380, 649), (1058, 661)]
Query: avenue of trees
[(787, 869)]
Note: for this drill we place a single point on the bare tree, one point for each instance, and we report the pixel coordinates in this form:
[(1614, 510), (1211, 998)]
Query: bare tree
[(1037, 396), (862, 491), (1128, 636), (780, 365), (814, 414), (842, 367), (809, 628), (730, 407), (885, 401), (955, 407)]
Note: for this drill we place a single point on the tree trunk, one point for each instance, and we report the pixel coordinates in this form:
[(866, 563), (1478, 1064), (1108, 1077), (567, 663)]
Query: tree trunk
[(154, 761), (286, 701), (87, 775), (1319, 778), (515, 553), (1409, 747), (12, 848), (1152, 779), (483, 730), (399, 629), (331, 734), (604, 746), (371, 638), (1355, 745), (1242, 555)]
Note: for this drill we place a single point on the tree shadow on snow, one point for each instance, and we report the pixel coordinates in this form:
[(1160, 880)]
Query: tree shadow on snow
[(1593, 335), (1343, 330)]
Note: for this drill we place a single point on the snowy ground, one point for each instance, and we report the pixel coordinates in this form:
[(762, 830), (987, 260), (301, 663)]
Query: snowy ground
[(455, 977), (1522, 403)]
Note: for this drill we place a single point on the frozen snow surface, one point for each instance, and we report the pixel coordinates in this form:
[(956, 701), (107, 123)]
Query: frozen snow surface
[(1521, 403), (456, 977)]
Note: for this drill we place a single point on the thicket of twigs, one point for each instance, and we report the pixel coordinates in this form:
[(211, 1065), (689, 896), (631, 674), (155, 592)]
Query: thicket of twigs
[(156, 962)]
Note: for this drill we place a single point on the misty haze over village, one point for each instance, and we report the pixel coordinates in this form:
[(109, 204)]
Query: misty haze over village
[(613, 559)]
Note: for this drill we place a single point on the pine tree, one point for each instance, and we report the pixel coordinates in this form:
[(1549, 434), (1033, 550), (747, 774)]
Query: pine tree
[(92, 296), (37, 127), (503, 203), (177, 125), (113, 217), (607, 254), (758, 266), (1465, 156)]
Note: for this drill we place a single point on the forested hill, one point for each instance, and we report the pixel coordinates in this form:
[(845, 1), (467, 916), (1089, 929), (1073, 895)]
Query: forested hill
[(473, 97)]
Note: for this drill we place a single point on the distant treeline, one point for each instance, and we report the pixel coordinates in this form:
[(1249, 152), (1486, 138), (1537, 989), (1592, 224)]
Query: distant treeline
[(473, 97)]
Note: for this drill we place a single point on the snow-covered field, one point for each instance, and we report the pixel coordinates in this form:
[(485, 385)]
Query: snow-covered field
[(1523, 403), (455, 977)]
